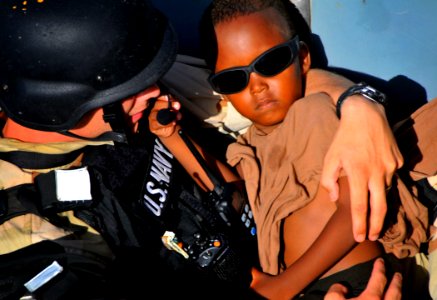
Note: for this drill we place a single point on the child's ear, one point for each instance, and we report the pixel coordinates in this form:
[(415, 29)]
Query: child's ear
[(304, 57)]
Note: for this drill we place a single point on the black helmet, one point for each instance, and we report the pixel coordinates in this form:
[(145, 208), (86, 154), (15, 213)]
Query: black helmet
[(61, 59)]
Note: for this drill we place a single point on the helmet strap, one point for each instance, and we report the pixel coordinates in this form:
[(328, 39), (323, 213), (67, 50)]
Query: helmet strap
[(107, 136), (114, 115)]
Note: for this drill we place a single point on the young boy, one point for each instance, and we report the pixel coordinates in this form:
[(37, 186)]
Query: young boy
[(302, 236)]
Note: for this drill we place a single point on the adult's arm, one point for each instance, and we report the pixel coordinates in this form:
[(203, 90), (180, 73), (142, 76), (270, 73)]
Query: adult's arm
[(364, 148), (168, 134)]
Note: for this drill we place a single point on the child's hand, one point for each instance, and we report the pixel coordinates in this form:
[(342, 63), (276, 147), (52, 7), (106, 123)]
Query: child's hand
[(169, 108), (266, 285)]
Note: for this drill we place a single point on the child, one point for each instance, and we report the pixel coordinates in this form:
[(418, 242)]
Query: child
[(302, 236), (281, 155)]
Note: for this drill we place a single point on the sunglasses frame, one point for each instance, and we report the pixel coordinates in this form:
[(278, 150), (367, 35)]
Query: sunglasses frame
[(292, 44)]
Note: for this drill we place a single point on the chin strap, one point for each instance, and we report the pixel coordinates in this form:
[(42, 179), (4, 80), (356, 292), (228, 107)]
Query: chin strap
[(107, 136), (114, 115)]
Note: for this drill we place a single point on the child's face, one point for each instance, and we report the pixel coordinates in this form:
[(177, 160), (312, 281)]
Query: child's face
[(265, 100)]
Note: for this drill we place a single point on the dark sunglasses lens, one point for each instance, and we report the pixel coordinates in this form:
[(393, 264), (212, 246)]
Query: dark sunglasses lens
[(274, 62), (229, 82)]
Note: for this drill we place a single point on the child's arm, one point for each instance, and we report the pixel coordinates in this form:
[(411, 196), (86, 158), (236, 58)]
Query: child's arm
[(364, 146), (333, 243)]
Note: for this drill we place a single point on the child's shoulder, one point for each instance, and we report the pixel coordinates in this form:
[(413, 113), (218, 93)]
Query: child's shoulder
[(317, 100), (315, 107)]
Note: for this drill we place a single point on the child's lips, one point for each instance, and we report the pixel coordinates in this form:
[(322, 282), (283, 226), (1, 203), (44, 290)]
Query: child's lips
[(265, 104)]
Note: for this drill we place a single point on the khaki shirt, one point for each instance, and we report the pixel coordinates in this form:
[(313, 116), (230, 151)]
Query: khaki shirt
[(282, 171)]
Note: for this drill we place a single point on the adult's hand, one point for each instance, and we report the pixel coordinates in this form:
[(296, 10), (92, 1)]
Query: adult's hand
[(155, 124), (375, 289), (365, 149)]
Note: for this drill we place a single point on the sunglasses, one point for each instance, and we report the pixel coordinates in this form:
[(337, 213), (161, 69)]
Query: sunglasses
[(270, 63)]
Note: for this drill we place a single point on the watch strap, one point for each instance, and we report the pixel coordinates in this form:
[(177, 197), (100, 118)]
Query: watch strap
[(366, 91)]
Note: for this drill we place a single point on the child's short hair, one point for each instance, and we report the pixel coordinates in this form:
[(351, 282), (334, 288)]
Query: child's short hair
[(225, 10)]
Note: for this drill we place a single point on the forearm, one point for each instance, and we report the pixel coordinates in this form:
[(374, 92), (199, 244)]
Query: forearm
[(170, 136), (186, 158), (364, 148)]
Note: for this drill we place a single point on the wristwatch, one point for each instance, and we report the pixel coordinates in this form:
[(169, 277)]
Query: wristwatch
[(365, 90)]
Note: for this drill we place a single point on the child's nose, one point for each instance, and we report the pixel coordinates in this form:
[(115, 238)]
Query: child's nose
[(257, 83)]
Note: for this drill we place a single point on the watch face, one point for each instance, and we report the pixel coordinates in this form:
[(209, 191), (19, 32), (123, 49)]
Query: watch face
[(371, 93), (362, 89)]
